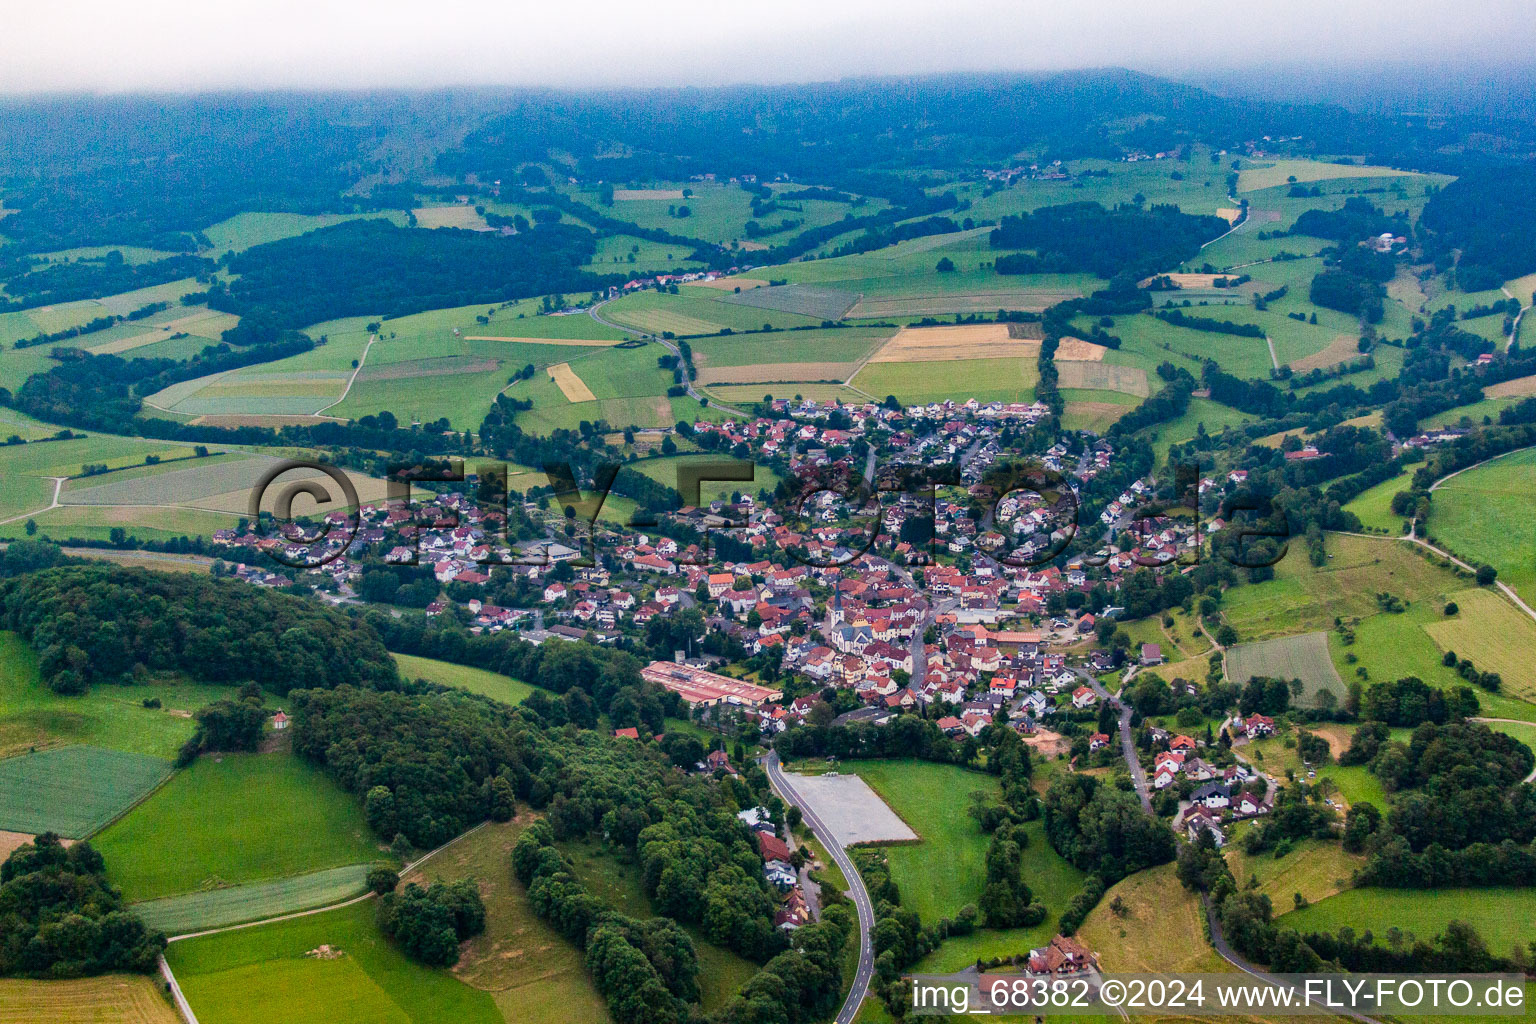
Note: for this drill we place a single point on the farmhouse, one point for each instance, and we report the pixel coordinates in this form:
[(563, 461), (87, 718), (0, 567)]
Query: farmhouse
[(702, 688)]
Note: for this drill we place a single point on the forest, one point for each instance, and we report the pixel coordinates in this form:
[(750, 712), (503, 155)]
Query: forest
[(371, 267), (1485, 215), (1086, 237), (102, 624)]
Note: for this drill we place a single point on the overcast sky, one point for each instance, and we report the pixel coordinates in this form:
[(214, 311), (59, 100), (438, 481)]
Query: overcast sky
[(121, 45)]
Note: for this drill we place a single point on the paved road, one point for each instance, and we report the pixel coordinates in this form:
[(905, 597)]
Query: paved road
[(1227, 953), (1127, 744), (592, 311), (856, 890)]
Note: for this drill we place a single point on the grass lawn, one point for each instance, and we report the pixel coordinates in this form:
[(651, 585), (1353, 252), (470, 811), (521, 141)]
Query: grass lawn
[(262, 975), (73, 790), (235, 818), (464, 677), (1502, 916), (614, 880), (1484, 515)]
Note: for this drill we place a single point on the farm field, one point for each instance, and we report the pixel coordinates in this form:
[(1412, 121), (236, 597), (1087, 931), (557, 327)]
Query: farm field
[(1495, 634), (1255, 175), (1484, 515), (464, 677), (27, 468), (1303, 598), (986, 380), (1202, 412), (107, 999), (244, 230), (251, 976), (96, 523), (665, 471), (1163, 930), (34, 717), (234, 818), (1094, 410), (74, 791), (1303, 657), (215, 485), (1501, 916), (806, 300), (216, 908), (790, 356)]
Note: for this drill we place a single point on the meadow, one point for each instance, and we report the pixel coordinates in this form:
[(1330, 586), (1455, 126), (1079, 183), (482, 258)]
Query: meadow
[(1501, 916), (1484, 515), (27, 468), (74, 791), (1315, 868), (945, 870), (218, 908), (112, 716), (1161, 929), (234, 818), (464, 677), (273, 973), (1374, 505), (1495, 634)]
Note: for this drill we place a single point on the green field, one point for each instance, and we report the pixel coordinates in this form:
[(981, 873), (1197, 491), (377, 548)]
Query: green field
[(1484, 515), (1315, 868), (73, 790), (1304, 657), (33, 716), (1502, 916), (464, 677), (1374, 505), (244, 230), (233, 818), (530, 971), (945, 871), (217, 908), (27, 468), (986, 380), (261, 975)]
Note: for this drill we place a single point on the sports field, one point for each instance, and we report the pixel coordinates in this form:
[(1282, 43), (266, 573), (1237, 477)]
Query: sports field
[(108, 999), (1484, 515), (216, 908), (73, 790), (234, 818), (1303, 657), (279, 972)]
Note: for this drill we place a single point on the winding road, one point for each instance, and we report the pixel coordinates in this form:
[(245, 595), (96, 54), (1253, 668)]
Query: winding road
[(856, 890)]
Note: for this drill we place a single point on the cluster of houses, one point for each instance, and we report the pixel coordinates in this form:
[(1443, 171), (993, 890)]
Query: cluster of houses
[(794, 909)]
